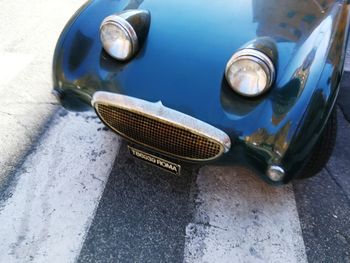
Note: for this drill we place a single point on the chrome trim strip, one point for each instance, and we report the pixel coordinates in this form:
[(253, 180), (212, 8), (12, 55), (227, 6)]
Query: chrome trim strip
[(164, 114)]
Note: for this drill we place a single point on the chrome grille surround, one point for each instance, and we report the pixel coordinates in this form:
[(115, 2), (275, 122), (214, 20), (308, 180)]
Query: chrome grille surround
[(159, 128)]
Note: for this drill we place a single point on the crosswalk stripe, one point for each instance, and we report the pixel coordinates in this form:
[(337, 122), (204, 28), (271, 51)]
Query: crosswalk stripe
[(241, 219), (56, 192), (11, 64)]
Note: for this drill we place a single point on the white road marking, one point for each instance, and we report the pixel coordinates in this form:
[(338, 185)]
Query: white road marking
[(29, 32), (241, 219), (11, 65), (58, 189)]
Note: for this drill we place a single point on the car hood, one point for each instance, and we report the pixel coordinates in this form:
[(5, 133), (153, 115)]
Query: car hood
[(189, 43), (183, 60)]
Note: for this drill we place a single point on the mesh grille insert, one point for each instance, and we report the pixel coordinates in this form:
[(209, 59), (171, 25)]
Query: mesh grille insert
[(159, 135)]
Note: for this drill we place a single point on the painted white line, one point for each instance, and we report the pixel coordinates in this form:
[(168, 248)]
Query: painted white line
[(29, 32), (241, 219), (11, 65), (58, 189)]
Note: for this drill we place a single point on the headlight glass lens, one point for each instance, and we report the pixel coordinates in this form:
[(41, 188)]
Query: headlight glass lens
[(247, 77), (248, 74), (116, 41)]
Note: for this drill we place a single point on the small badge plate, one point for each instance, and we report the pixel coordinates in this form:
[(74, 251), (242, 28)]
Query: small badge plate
[(155, 160)]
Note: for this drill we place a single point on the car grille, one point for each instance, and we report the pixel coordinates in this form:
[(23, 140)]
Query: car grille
[(159, 134)]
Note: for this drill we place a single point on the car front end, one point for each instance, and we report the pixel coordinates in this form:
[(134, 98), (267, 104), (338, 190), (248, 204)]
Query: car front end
[(246, 82)]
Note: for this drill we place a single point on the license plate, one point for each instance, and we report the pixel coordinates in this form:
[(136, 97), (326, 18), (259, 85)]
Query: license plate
[(155, 160)]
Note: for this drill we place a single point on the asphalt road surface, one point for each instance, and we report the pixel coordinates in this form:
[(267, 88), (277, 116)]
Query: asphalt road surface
[(82, 197), (70, 191)]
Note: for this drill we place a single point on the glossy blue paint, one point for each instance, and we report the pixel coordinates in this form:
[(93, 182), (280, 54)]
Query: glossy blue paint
[(183, 60)]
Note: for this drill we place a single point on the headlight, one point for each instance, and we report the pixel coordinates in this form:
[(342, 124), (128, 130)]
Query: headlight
[(122, 34), (118, 37), (250, 72)]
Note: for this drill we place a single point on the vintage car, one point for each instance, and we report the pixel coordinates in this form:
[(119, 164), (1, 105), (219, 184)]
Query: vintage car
[(245, 82)]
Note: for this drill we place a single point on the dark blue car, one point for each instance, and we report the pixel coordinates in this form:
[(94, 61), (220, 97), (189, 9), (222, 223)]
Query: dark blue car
[(252, 82)]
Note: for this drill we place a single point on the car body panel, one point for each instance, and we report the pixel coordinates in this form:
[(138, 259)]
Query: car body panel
[(183, 60)]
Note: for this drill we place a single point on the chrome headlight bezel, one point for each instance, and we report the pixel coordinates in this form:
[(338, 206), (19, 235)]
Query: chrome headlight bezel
[(257, 57), (127, 29)]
